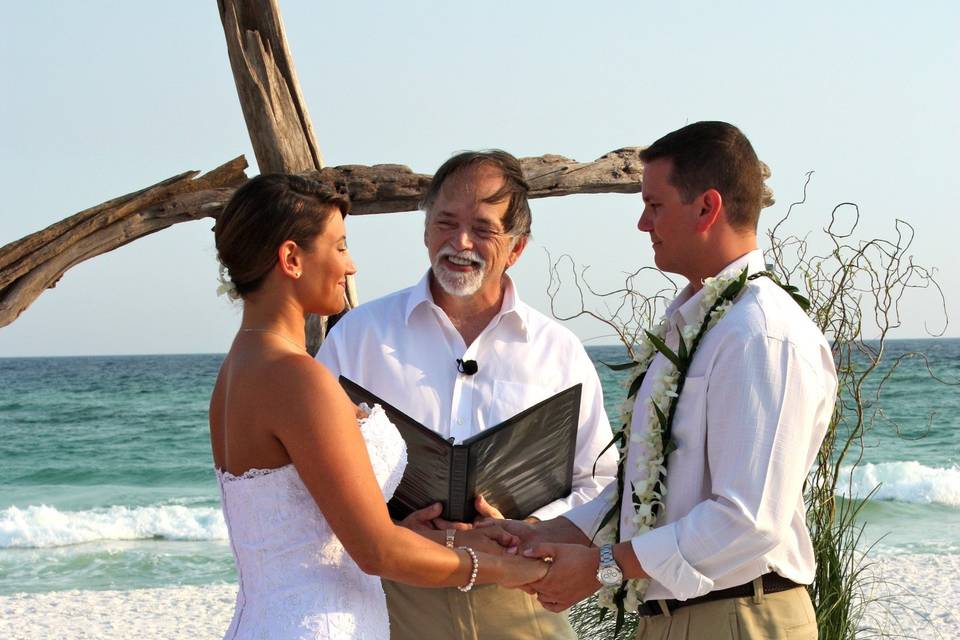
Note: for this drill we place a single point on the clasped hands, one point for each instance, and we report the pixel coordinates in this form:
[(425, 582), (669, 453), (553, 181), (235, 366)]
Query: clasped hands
[(489, 539), (568, 568), (572, 561)]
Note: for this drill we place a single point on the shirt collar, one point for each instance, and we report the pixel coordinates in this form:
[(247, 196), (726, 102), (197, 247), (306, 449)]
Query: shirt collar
[(512, 307), (687, 303), (419, 295)]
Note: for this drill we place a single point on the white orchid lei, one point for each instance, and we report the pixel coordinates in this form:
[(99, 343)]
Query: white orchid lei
[(648, 484)]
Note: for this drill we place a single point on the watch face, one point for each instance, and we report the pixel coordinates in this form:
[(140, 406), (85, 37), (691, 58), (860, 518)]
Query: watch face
[(610, 576)]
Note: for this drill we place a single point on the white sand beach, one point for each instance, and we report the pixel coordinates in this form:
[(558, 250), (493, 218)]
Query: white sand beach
[(916, 596), (925, 603), (177, 612)]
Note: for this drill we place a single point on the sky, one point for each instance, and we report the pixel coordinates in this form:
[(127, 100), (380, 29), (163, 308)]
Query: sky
[(102, 98)]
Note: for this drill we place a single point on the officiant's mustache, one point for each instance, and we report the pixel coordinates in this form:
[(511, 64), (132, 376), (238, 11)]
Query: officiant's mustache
[(464, 255)]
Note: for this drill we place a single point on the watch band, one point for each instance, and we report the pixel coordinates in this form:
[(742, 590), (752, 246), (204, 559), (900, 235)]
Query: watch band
[(606, 555)]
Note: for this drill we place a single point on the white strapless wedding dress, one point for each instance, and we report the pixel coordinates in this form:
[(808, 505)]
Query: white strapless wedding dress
[(295, 578)]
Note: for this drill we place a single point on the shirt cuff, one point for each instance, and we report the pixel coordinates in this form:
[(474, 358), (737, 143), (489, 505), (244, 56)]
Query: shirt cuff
[(587, 516), (551, 510), (660, 557)]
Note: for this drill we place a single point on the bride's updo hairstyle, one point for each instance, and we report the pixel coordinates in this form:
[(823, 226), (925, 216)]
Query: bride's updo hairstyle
[(263, 214)]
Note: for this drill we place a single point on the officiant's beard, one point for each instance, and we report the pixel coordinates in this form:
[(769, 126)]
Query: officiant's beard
[(459, 283)]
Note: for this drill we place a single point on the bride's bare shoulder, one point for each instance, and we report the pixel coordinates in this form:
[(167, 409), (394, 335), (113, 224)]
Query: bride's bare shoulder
[(303, 369), (300, 379)]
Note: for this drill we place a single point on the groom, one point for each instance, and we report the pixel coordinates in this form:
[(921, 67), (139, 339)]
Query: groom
[(730, 552), (460, 352)]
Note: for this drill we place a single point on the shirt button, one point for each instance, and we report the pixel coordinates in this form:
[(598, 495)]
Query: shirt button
[(459, 420)]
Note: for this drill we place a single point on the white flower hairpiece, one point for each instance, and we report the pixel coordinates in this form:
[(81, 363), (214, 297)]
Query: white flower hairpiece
[(226, 285)]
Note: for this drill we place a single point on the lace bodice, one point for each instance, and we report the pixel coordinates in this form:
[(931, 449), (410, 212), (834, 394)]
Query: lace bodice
[(295, 578)]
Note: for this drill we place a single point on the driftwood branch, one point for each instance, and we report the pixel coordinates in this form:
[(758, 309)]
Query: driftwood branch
[(37, 262), (385, 188)]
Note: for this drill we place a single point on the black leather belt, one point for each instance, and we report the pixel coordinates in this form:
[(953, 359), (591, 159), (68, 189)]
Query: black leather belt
[(772, 583)]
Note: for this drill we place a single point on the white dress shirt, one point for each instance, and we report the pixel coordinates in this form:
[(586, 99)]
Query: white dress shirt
[(754, 409), (404, 348)]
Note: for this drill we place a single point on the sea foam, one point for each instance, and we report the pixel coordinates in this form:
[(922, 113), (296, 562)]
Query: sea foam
[(909, 482), (43, 526)]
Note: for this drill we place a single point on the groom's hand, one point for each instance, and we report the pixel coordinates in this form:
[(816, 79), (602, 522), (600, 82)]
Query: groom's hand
[(572, 575)]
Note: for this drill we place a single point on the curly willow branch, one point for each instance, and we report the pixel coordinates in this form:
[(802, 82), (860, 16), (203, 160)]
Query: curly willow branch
[(625, 311)]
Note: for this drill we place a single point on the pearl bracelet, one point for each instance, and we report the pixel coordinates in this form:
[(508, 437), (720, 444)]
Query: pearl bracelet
[(473, 572), (451, 537)]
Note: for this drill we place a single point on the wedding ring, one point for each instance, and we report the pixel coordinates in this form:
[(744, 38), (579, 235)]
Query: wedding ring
[(547, 559)]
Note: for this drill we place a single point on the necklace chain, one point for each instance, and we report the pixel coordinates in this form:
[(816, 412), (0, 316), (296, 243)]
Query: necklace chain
[(278, 334)]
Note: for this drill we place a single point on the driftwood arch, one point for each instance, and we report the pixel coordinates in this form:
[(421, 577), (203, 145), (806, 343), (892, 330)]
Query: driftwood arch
[(283, 140)]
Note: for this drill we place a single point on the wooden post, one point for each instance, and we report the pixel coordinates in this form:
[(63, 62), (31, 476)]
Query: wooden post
[(273, 107)]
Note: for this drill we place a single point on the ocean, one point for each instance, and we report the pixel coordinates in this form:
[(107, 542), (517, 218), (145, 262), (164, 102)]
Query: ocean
[(106, 479)]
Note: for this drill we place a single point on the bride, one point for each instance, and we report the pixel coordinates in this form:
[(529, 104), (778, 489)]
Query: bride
[(303, 482)]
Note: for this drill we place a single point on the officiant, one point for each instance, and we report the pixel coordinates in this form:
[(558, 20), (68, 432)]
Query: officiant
[(460, 352)]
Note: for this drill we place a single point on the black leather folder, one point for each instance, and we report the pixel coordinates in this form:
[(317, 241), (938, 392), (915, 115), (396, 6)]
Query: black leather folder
[(518, 465)]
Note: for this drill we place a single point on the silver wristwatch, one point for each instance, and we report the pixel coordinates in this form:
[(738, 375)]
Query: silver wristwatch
[(609, 573)]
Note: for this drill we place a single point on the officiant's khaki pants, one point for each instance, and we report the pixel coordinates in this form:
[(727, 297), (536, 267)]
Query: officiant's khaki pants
[(486, 612), (787, 615)]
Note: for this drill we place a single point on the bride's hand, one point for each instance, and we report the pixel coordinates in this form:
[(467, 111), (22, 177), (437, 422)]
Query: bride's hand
[(520, 571)]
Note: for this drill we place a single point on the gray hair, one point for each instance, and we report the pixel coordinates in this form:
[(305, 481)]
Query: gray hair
[(517, 219)]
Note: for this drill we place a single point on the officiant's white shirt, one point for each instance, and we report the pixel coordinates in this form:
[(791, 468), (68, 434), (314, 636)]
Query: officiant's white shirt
[(753, 411), (404, 348)]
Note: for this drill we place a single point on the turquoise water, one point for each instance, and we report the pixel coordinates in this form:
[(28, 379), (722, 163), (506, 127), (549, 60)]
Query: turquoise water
[(106, 479)]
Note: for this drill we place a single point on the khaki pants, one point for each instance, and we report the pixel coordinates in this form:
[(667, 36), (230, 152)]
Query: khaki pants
[(786, 615), (486, 612)]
